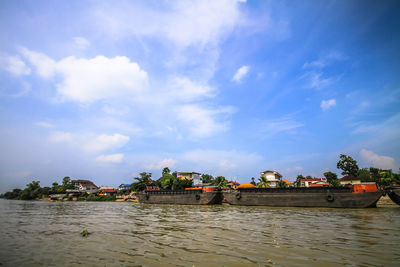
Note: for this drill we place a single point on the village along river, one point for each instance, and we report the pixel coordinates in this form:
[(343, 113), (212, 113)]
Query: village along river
[(130, 234)]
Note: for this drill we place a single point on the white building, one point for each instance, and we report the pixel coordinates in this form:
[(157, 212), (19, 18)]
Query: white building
[(272, 177), (194, 176), (85, 186)]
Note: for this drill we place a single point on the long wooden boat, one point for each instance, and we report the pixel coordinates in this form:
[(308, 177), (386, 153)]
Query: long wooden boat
[(357, 196), (184, 197), (394, 194)]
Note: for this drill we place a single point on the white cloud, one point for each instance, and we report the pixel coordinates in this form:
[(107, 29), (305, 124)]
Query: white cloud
[(327, 104), (187, 89), (107, 142), (44, 124), (14, 65), (81, 42), (240, 74), (45, 66), (111, 158), (60, 137), (87, 80), (273, 127), (325, 60), (170, 163), (183, 23), (382, 162), (316, 81), (202, 121)]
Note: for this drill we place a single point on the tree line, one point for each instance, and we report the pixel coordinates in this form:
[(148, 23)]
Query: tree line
[(349, 167), (33, 190), (170, 181)]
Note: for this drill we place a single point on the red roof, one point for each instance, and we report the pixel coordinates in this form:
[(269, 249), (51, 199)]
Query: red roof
[(311, 180), (319, 185), (234, 183), (109, 190)]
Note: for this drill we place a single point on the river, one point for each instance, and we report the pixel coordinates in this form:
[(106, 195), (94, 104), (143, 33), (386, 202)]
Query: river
[(35, 233)]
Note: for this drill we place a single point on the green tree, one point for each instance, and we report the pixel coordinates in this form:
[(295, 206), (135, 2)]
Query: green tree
[(385, 178), (32, 191), (298, 180), (331, 177), (335, 183), (220, 181), (142, 181), (396, 178), (263, 182), (308, 177), (207, 178), (348, 165), (374, 172), (180, 184), (364, 175), (166, 170), (253, 181), (281, 184), (167, 181)]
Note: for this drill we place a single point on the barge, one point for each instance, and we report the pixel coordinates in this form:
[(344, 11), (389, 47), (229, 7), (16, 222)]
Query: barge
[(191, 196), (394, 193), (356, 196)]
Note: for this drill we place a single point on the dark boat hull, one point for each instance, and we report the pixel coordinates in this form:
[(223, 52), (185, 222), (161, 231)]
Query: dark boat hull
[(394, 194), (181, 197), (300, 197)]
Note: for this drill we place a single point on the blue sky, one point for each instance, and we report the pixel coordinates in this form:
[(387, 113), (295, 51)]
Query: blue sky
[(102, 91)]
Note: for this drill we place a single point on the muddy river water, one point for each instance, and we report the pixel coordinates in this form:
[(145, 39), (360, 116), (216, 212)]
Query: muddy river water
[(40, 233)]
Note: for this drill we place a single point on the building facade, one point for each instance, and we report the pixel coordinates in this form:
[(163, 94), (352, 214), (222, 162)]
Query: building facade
[(273, 177)]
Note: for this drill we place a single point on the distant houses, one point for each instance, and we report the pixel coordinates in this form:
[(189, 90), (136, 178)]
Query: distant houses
[(273, 177), (85, 186), (349, 180), (194, 176), (313, 182)]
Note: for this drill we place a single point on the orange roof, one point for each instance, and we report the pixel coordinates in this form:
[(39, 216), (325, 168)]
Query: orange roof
[(287, 182), (247, 185), (319, 185)]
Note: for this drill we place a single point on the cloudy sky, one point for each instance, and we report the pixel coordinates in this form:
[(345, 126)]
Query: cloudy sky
[(105, 90)]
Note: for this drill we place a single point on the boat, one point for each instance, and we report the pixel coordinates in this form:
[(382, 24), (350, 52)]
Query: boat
[(355, 196), (394, 193), (190, 196)]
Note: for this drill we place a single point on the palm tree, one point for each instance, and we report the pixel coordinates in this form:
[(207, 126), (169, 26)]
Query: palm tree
[(263, 182)]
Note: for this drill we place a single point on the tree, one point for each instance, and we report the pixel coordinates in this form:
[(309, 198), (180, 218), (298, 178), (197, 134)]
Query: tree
[(364, 175), (166, 170), (335, 183), (298, 180), (207, 178), (385, 178), (281, 184), (308, 177), (330, 177), (348, 165), (220, 181), (263, 182), (253, 181), (374, 172), (167, 180), (142, 181)]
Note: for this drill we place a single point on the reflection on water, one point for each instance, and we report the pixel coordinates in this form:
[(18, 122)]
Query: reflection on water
[(48, 233)]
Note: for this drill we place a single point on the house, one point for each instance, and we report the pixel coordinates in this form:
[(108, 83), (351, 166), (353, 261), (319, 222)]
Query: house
[(124, 187), (288, 183), (194, 176), (85, 186), (313, 182), (107, 191), (349, 180), (272, 177), (233, 185)]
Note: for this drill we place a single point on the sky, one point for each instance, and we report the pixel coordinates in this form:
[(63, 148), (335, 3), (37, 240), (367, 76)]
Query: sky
[(104, 90)]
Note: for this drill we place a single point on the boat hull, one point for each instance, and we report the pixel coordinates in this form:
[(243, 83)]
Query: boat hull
[(394, 194), (301, 197), (181, 197)]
